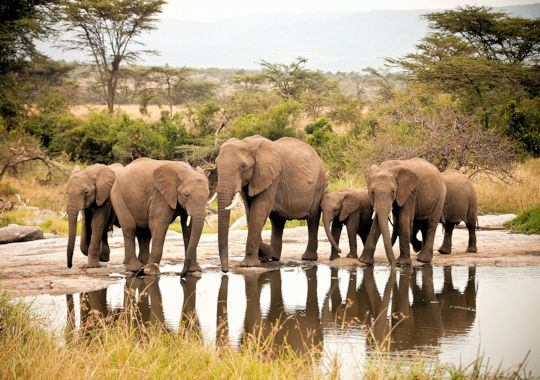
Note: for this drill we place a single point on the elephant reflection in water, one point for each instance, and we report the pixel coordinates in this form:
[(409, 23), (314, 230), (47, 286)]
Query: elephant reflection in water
[(431, 315), (300, 330)]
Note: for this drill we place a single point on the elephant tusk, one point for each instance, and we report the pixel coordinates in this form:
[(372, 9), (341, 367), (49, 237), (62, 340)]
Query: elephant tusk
[(212, 199), (209, 224), (234, 202), (373, 216), (188, 220)]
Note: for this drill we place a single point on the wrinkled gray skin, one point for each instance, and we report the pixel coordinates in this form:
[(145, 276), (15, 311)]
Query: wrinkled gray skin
[(351, 207), (414, 191), (147, 196), (460, 205), (281, 179), (88, 190)]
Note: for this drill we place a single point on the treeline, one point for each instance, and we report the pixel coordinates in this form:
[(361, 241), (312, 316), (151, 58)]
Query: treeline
[(466, 99)]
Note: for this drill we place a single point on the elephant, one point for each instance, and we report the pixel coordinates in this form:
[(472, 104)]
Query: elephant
[(281, 179), (460, 205), (350, 207), (414, 191), (89, 190), (147, 196)]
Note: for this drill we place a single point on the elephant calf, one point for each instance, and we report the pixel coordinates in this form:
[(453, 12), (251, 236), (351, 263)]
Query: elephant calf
[(350, 207), (147, 196)]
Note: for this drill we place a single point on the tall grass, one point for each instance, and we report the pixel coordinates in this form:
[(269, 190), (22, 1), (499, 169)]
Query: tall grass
[(514, 197)]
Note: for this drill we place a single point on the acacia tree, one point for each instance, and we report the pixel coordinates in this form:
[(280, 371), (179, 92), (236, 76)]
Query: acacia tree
[(108, 30), (170, 78)]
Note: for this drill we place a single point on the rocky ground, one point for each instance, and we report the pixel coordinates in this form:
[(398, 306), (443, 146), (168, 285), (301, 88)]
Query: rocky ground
[(39, 267)]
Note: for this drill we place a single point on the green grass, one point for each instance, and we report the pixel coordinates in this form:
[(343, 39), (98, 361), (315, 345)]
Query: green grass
[(527, 222)]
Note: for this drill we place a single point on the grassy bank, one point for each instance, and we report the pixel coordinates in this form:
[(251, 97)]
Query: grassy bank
[(120, 349)]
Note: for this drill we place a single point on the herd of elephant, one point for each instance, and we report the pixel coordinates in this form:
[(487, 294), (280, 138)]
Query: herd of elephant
[(281, 180)]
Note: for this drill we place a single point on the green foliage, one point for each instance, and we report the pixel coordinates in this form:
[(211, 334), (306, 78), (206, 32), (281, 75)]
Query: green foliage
[(522, 124), (528, 222), (279, 121), (320, 131), (202, 119)]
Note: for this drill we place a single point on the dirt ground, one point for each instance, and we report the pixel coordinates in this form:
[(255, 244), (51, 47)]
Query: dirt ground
[(39, 267)]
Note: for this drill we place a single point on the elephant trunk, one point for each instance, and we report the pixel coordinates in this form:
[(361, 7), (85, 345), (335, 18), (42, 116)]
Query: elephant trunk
[(382, 217), (326, 221), (224, 217), (197, 224), (72, 220)]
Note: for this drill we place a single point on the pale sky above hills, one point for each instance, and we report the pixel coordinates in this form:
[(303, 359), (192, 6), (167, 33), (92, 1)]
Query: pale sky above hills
[(212, 10)]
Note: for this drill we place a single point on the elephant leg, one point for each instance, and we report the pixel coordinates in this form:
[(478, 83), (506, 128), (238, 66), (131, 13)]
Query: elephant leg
[(86, 231), (313, 229), (404, 227), (186, 234), (143, 237), (416, 244), (352, 227), (158, 231), (258, 213), (276, 242), (472, 236), (446, 247), (98, 222), (336, 234), (130, 260), (371, 243), (426, 253), (105, 251)]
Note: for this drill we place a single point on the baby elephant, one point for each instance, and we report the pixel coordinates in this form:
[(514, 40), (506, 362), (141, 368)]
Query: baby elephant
[(350, 207), (147, 196), (459, 205)]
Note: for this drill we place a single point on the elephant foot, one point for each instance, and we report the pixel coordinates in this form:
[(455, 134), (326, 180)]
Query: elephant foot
[(404, 260), (445, 250), (195, 267), (151, 269), (333, 256), (471, 250), (310, 256), (134, 265), (352, 255), (424, 257), (250, 261), (266, 253), (105, 254), (93, 264), (366, 259)]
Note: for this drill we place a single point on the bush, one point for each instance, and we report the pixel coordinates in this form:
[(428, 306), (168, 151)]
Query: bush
[(279, 121), (528, 222)]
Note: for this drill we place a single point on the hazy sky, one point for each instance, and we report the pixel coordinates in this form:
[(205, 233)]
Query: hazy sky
[(211, 10)]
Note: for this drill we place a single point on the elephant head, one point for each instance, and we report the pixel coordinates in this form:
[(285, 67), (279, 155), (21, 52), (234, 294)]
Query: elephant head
[(91, 186), (338, 204), (387, 186), (253, 163), (180, 184)]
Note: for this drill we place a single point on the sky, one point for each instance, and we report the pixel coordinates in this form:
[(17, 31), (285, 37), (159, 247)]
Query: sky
[(212, 10)]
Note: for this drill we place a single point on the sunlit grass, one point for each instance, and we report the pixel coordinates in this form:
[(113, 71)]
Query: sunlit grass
[(514, 197)]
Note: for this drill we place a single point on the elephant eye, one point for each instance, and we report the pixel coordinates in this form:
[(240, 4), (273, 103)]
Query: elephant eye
[(188, 195), (85, 192), (243, 165)]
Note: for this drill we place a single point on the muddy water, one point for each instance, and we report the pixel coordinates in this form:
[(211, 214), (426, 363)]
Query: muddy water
[(447, 313)]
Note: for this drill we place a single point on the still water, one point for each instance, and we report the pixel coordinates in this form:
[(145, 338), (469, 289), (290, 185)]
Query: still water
[(449, 313)]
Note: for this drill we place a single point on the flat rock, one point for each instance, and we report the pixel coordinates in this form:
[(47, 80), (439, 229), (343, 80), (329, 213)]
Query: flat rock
[(15, 233)]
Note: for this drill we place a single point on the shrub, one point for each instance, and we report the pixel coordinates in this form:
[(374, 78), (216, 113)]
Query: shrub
[(528, 222), (279, 121)]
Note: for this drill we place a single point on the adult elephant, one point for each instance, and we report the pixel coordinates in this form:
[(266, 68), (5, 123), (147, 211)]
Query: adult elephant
[(147, 196), (281, 179), (351, 207), (89, 190), (414, 191)]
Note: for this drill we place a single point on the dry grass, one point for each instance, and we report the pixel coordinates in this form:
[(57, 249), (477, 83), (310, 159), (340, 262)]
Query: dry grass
[(133, 110), (515, 197)]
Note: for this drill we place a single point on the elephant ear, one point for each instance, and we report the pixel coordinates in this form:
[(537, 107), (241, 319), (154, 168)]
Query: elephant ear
[(267, 168), (351, 203), (104, 181), (406, 181), (166, 181)]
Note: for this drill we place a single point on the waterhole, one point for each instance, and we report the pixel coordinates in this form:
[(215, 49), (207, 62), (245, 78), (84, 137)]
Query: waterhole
[(452, 314)]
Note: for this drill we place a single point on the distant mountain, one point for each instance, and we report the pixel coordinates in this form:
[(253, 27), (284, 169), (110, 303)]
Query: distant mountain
[(332, 41)]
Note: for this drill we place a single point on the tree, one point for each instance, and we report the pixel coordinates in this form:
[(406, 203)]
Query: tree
[(249, 82), (108, 29), (171, 78), (485, 59), (291, 80)]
